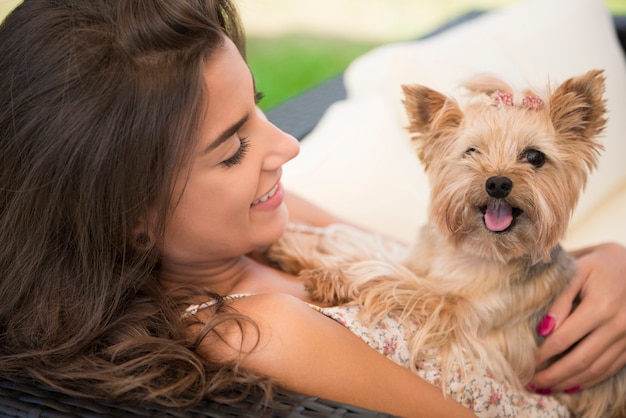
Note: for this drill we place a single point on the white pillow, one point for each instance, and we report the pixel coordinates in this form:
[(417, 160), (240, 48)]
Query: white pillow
[(359, 163)]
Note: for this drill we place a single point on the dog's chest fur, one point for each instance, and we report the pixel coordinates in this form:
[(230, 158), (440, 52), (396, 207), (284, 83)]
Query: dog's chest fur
[(501, 303)]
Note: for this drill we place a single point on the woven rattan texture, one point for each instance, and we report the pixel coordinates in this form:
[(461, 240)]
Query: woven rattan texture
[(29, 400)]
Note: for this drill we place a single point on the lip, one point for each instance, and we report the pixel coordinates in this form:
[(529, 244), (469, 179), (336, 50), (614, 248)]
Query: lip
[(270, 200)]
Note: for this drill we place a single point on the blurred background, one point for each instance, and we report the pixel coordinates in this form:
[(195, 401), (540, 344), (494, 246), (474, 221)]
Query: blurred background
[(294, 45)]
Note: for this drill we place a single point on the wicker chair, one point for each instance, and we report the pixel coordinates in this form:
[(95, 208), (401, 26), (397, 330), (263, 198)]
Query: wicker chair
[(297, 117), (33, 400)]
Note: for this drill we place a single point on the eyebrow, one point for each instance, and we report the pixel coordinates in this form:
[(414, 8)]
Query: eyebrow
[(232, 130), (224, 136)]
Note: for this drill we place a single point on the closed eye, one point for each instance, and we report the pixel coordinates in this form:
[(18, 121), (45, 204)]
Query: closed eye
[(470, 150), (244, 143), (237, 157)]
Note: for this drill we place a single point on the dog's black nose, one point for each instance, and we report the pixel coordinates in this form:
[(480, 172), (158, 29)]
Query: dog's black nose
[(498, 187)]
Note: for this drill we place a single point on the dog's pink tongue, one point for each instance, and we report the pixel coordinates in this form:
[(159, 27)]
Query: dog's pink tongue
[(498, 217)]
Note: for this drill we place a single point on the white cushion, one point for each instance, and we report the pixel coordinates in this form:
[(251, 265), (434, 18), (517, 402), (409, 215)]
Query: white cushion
[(359, 162)]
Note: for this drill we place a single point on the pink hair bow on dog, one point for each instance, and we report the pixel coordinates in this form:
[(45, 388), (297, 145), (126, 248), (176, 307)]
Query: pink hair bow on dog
[(532, 102), (502, 98)]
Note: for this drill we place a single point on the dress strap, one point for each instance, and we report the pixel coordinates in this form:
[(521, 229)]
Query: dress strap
[(193, 309)]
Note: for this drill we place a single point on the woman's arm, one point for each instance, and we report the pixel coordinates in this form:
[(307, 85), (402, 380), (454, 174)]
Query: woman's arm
[(306, 352), (598, 324)]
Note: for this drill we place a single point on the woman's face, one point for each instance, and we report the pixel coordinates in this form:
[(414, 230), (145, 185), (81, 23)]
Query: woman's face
[(232, 200)]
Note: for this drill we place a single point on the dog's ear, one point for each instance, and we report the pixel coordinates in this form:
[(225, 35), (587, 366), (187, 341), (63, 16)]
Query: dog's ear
[(432, 116), (577, 107), (428, 109)]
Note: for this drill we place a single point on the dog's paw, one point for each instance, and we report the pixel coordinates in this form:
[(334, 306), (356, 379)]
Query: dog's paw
[(327, 285)]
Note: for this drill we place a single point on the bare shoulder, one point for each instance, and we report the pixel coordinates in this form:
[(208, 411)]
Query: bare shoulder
[(275, 325), (281, 337), (304, 351), (265, 320)]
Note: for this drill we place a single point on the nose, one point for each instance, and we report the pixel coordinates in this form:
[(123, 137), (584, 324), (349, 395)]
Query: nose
[(282, 147), (498, 187)]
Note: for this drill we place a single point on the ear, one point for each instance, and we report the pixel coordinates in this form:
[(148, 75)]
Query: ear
[(425, 108), (432, 115), (577, 107), (142, 236)]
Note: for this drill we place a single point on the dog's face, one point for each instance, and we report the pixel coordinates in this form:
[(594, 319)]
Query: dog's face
[(506, 177)]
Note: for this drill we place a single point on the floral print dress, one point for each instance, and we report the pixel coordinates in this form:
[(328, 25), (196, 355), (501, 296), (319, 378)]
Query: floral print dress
[(478, 390)]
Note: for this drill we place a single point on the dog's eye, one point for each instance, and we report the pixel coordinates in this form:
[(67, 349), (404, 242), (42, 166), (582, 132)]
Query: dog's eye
[(470, 150), (534, 157)]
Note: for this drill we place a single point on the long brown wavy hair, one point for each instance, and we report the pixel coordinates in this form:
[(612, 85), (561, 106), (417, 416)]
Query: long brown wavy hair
[(100, 104)]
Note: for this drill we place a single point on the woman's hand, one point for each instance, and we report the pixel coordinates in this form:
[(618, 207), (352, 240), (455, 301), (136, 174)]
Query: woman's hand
[(598, 324)]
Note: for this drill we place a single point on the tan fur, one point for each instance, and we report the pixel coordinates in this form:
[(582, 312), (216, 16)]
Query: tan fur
[(478, 295)]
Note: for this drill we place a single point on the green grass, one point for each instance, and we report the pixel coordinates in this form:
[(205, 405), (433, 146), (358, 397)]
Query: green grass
[(617, 7), (284, 67)]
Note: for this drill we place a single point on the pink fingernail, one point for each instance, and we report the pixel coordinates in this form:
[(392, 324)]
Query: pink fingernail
[(531, 387), (544, 391), (546, 326), (573, 389)]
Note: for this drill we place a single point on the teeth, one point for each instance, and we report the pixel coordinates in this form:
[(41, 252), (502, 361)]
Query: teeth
[(266, 196)]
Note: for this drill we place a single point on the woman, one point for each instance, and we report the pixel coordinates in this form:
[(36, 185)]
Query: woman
[(137, 174)]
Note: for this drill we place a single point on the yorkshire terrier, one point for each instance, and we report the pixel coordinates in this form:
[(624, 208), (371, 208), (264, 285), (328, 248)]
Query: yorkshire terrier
[(506, 169)]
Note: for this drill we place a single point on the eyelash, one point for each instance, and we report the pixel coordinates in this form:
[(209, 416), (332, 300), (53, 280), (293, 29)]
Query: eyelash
[(244, 143)]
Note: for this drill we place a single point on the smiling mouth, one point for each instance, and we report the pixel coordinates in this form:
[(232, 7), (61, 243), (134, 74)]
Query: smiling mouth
[(265, 196), (499, 216)]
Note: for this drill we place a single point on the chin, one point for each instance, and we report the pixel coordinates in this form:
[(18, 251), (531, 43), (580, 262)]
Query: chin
[(272, 229)]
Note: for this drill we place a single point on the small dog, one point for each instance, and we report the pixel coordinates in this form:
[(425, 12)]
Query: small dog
[(506, 170)]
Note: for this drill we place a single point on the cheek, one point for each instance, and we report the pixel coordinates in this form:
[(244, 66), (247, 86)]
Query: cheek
[(203, 234), (205, 219), (210, 206)]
